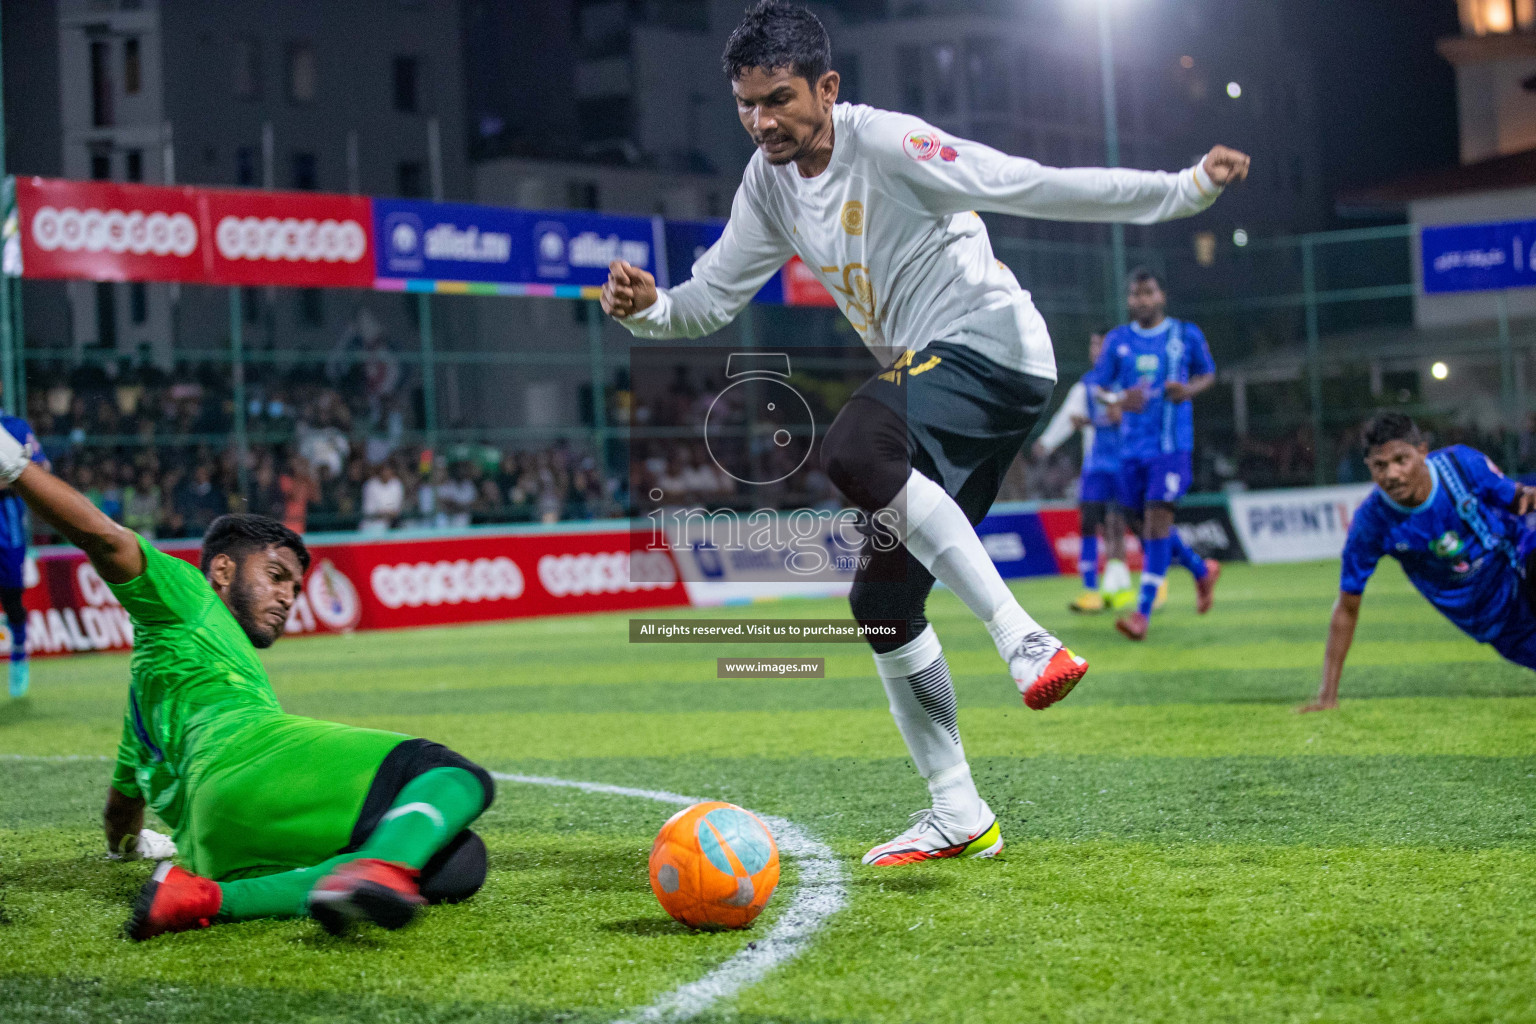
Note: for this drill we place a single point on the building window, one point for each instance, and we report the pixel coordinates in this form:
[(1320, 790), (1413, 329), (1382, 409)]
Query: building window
[(106, 315), (245, 165), (986, 74), (248, 68), (910, 60), (132, 74), (406, 77), (581, 195), (101, 166), (411, 179), (302, 73), (138, 302), (311, 307), (101, 84), (250, 305), (306, 171), (945, 77), (133, 165)]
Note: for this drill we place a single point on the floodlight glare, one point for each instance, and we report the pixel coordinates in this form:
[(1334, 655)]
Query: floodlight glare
[(1239, 238), (1439, 371), (1234, 90)]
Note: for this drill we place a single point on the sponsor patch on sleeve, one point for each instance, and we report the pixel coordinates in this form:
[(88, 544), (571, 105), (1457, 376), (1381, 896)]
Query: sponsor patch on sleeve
[(922, 144)]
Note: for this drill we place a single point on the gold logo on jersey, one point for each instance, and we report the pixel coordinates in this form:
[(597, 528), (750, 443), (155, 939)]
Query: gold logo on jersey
[(904, 363), (853, 217), (858, 295)]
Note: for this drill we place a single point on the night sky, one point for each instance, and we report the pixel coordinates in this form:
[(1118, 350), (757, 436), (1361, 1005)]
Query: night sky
[(1390, 98)]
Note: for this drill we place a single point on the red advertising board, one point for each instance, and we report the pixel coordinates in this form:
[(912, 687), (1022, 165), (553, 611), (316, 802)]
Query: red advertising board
[(802, 287), (301, 239), (1062, 529), (391, 584), (98, 231)]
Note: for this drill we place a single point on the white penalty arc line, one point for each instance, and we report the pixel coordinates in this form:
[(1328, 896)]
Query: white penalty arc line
[(822, 892)]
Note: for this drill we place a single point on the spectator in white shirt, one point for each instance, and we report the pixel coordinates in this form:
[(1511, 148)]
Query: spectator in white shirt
[(383, 500)]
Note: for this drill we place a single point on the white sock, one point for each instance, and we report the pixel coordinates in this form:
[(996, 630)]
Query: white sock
[(1117, 577), (937, 533), (922, 697)]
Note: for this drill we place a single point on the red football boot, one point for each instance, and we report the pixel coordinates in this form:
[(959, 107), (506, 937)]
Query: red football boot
[(173, 900), (1133, 626), (1205, 590), (380, 891), (1044, 670)]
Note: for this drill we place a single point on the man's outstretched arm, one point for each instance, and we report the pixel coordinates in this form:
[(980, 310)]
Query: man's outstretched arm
[(113, 550), (1341, 634)]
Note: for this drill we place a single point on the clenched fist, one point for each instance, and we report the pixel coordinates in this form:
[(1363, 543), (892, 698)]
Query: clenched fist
[(628, 290), (1226, 165)]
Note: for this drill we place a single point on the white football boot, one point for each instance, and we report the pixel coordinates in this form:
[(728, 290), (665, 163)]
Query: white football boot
[(927, 839)]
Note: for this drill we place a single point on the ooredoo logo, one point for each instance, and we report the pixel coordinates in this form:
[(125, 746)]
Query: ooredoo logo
[(921, 145), (291, 239), (464, 581), (155, 233), (608, 572), (333, 598)]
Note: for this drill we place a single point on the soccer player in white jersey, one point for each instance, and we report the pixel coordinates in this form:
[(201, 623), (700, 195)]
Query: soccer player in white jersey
[(880, 206)]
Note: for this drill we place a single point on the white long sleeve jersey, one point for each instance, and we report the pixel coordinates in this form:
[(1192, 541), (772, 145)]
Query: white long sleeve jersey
[(1061, 427), (890, 227)]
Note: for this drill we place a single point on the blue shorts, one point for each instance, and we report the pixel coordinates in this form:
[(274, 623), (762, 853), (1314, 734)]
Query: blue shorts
[(12, 568), (1098, 487), (1159, 478)]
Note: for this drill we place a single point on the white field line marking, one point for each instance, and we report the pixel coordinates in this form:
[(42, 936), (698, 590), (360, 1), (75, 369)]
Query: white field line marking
[(821, 893)]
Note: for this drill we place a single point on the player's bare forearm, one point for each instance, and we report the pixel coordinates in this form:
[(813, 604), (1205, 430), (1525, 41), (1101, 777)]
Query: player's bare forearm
[(1184, 391), (1341, 634), (113, 550), (123, 816)]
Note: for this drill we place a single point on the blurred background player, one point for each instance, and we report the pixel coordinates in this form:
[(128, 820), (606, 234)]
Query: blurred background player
[(1452, 521), (1100, 516), (883, 207), (14, 534), (1153, 367), (276, 815)]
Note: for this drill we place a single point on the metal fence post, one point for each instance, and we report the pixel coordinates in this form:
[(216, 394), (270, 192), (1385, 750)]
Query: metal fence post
[(428, 371), (237, 373), (599, 398), (1314, 357), (1512, 410)]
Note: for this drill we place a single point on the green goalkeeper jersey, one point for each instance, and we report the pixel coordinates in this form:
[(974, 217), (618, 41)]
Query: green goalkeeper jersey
[(196, 680)]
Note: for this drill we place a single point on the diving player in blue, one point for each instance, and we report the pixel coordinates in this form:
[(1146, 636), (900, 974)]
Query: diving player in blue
[(1153, 367), (1452, 520), (1097, 488), (13, 558)]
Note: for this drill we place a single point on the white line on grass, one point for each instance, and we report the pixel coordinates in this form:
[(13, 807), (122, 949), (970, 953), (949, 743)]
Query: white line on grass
[(820, 894)]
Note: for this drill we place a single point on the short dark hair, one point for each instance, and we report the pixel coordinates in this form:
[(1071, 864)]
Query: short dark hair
[(240, 533), (1139, 275), (775, 34), (1391, 426)]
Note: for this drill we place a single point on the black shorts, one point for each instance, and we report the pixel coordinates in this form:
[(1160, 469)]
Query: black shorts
[(966, 416), (408, 760)]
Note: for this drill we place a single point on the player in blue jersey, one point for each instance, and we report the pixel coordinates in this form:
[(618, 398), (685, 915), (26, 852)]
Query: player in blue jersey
[(1453, 522), (1153, 367), (1097, 489), (13, 558)]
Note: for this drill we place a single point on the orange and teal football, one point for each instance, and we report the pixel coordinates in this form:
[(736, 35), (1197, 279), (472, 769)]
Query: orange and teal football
[(714, 865)]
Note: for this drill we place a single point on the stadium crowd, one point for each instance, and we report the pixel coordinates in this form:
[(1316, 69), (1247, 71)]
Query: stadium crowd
[(155, 450)]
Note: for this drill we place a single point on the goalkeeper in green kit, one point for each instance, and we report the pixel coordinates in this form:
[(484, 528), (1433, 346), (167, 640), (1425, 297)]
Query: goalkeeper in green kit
[(274, 815)]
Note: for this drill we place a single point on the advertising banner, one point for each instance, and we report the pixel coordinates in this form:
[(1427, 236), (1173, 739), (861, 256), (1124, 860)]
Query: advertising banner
[(1297, 525), (802, 287), (687, 240), (1207, 528), (1478, 257), (298, 239), (450, 242), (576, 248), (1018, 543), (98, 231), (390, 584)]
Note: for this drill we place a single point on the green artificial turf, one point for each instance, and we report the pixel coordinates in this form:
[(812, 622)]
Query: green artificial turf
[(1182, 846)]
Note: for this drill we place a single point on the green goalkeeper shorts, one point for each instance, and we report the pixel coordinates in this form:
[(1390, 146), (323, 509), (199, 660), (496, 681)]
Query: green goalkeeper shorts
[(282, 792)]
